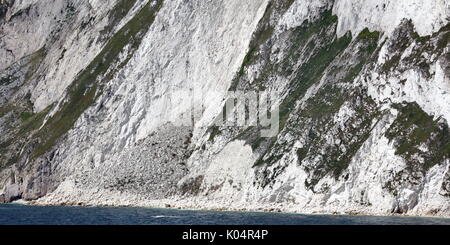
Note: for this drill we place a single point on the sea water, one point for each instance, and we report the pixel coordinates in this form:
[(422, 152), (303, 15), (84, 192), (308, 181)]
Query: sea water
[(14, 214)]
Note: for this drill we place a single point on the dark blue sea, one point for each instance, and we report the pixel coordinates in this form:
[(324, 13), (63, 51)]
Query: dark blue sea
[(13, 214)]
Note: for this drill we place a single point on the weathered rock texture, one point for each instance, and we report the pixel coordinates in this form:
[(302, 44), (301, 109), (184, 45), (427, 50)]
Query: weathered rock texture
[(89, 97)]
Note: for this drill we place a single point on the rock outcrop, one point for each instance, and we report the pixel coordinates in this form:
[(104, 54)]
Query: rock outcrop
[(92, 94)]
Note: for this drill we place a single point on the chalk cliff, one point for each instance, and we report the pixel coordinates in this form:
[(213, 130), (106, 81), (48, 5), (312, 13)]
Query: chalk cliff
[(90, 98)]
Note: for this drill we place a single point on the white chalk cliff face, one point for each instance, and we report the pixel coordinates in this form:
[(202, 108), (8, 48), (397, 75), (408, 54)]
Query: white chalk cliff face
[(89, 100)]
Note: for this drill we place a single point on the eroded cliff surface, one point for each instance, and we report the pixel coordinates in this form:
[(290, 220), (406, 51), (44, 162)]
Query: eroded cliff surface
[(90, 93)]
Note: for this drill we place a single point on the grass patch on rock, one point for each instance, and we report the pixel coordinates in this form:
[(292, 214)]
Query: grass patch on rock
[(422, 141)]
